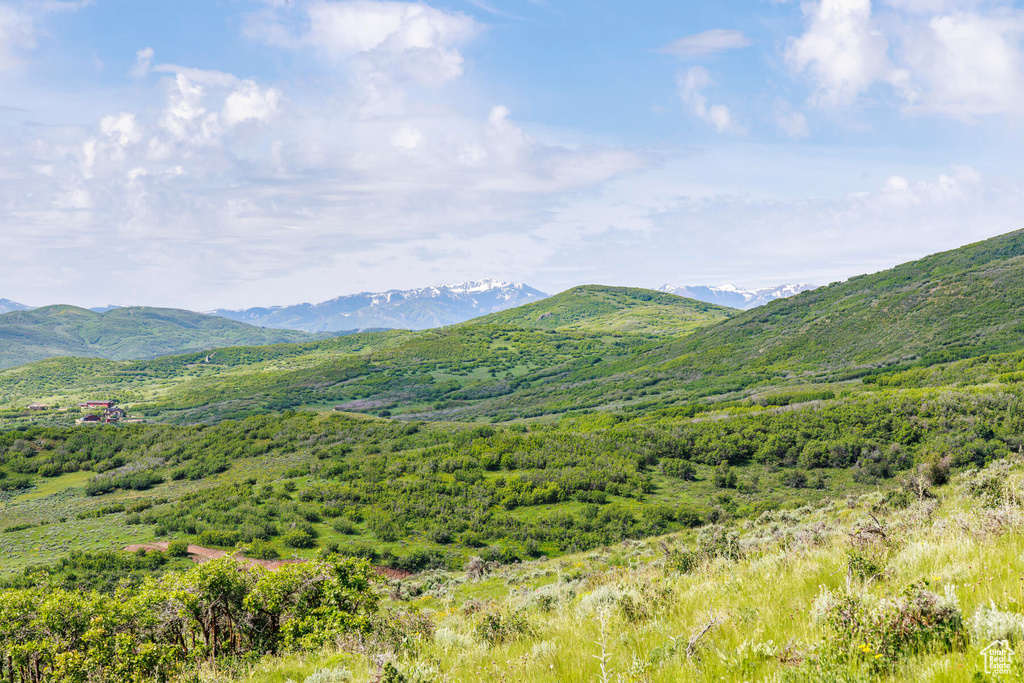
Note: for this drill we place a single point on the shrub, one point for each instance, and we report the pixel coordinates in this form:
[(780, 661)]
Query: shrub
[(299, 538), (796, 479), (724, 477), (497, 627), (218, 538), (682, 561), (261, 550), (683, 469), (881, 633), (344, 525), (717, 541), (177, 548), (989, 624)]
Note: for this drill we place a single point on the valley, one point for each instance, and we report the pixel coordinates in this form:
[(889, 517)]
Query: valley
[(588, 452)]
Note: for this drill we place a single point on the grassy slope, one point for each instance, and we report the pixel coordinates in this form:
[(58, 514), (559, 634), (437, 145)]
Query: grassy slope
[(122, 333), (769, 630), (959, 303), (596, 308)]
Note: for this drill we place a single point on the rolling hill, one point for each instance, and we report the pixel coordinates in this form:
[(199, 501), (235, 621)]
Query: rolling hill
[(596, 308), (956, 304), (122, 333), (594, 348)]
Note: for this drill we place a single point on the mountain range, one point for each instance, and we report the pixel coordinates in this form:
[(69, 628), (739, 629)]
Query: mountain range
[(410, 309), (736, 297)]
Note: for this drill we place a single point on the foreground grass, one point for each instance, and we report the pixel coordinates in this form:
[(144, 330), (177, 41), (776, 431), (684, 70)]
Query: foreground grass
[(620, 614)]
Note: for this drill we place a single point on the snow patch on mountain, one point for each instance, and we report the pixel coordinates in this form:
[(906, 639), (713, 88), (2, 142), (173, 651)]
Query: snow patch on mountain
[(737, 297), (8, 306), (414, 309)]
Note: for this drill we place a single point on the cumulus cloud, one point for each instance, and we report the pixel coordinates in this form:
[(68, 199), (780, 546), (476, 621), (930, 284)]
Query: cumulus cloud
[(690, 85), (842, 50), (241, 192), (706, 43), (958, 58), (395, 38), (250, 102), (965, 64)]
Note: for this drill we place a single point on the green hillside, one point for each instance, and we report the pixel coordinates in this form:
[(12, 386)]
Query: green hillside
[(595, 308), (592, 348), (956, 304), (122, 333)]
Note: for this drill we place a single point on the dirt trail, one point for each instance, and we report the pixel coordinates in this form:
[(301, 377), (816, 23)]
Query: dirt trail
[(198, 553)]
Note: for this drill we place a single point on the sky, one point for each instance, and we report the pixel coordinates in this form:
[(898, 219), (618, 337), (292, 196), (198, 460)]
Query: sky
[(234, 153)]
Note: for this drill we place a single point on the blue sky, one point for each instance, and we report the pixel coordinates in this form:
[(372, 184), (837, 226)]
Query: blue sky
[(233, 153)]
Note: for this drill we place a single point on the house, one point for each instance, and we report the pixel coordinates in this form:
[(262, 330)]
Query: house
[(97, 404), (114, 415), (39, 406), (89, 419)]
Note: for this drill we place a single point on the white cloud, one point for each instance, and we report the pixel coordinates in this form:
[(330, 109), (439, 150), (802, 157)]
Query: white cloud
[(965, 64), (690, 86), (17, 32), (123, 128), (208, 77), (387, 38), (408, 138), (706, 43), (319, 198), (250, 102), (842, 50), (790, 121), (143, 60), (958, 58)]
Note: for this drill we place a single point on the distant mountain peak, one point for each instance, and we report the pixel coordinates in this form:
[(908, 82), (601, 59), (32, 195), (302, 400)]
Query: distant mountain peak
[(736, 297), (8, 306), (420, 308)]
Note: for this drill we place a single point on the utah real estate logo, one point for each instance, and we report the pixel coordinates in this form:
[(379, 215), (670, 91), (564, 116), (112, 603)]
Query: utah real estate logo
[(998, 657)]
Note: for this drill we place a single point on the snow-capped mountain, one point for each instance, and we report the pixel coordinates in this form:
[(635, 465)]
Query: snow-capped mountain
[(736, 297), (7, 306), (412, 309)]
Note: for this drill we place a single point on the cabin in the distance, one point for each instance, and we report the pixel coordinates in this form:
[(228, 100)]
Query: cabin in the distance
[(38, 406), (97, 404)]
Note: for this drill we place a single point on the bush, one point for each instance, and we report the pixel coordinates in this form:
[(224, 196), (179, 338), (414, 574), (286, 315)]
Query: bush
[(344, 525), (717, 541), (882, 633), (682, 561), (989, 624), (796, 479), (499, 627), (178, 548), (682, 469), (261, 550), (299, 538), (216, 538), (724, 477)]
